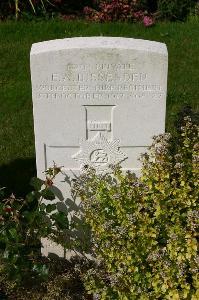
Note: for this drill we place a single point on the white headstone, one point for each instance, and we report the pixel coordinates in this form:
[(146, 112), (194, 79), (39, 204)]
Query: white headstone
[(97, 101)]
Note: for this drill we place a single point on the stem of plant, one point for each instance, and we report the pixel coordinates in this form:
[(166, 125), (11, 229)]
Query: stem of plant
[(16, 9)]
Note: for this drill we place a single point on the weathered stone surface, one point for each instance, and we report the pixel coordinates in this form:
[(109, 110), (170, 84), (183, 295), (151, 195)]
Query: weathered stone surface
[(96, 101)]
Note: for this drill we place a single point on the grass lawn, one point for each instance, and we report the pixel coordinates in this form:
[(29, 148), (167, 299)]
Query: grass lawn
[(17, 155)]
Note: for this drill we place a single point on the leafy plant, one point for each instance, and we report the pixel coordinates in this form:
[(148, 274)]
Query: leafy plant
[(118, 10), (44, 8), (128, 10), (32, 3), (23, 223), (145, 235), (175, 9)]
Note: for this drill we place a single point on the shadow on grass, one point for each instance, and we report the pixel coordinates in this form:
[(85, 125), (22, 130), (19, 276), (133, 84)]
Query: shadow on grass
[(16, 176)]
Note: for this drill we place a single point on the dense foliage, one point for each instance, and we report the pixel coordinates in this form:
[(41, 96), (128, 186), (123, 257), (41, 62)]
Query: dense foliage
[(175, 9), (145, 235), (118, 10), (144, 238), (98, 10), (137, 10), (23, 223)]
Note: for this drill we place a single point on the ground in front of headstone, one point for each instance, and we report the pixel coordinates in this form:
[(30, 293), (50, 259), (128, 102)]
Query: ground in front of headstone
[(64, 282)]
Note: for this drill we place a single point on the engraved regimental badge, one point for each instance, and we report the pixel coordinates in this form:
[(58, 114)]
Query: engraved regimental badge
[(99, 153)]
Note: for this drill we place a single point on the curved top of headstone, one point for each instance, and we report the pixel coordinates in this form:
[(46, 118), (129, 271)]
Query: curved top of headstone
[(99, 42)]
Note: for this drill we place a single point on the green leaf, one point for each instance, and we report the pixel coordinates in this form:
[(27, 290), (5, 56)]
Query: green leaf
[(32, 196), (61, 220), (29, 215), (17, 205), (47, 194), (42, 207), (50, 208), (13, 233), (36, 183), (42, 270)]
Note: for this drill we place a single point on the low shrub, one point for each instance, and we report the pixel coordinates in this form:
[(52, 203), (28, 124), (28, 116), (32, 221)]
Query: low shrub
[(99, 10), (145, 230), (144, 240), (175, 9), (139, 10), (24, 8), (23, 223), (118, 10)]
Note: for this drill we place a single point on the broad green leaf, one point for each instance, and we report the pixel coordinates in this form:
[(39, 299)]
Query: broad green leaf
[(48, 194), (36, 183), (50, 208), (61, 220), (32, 196)]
